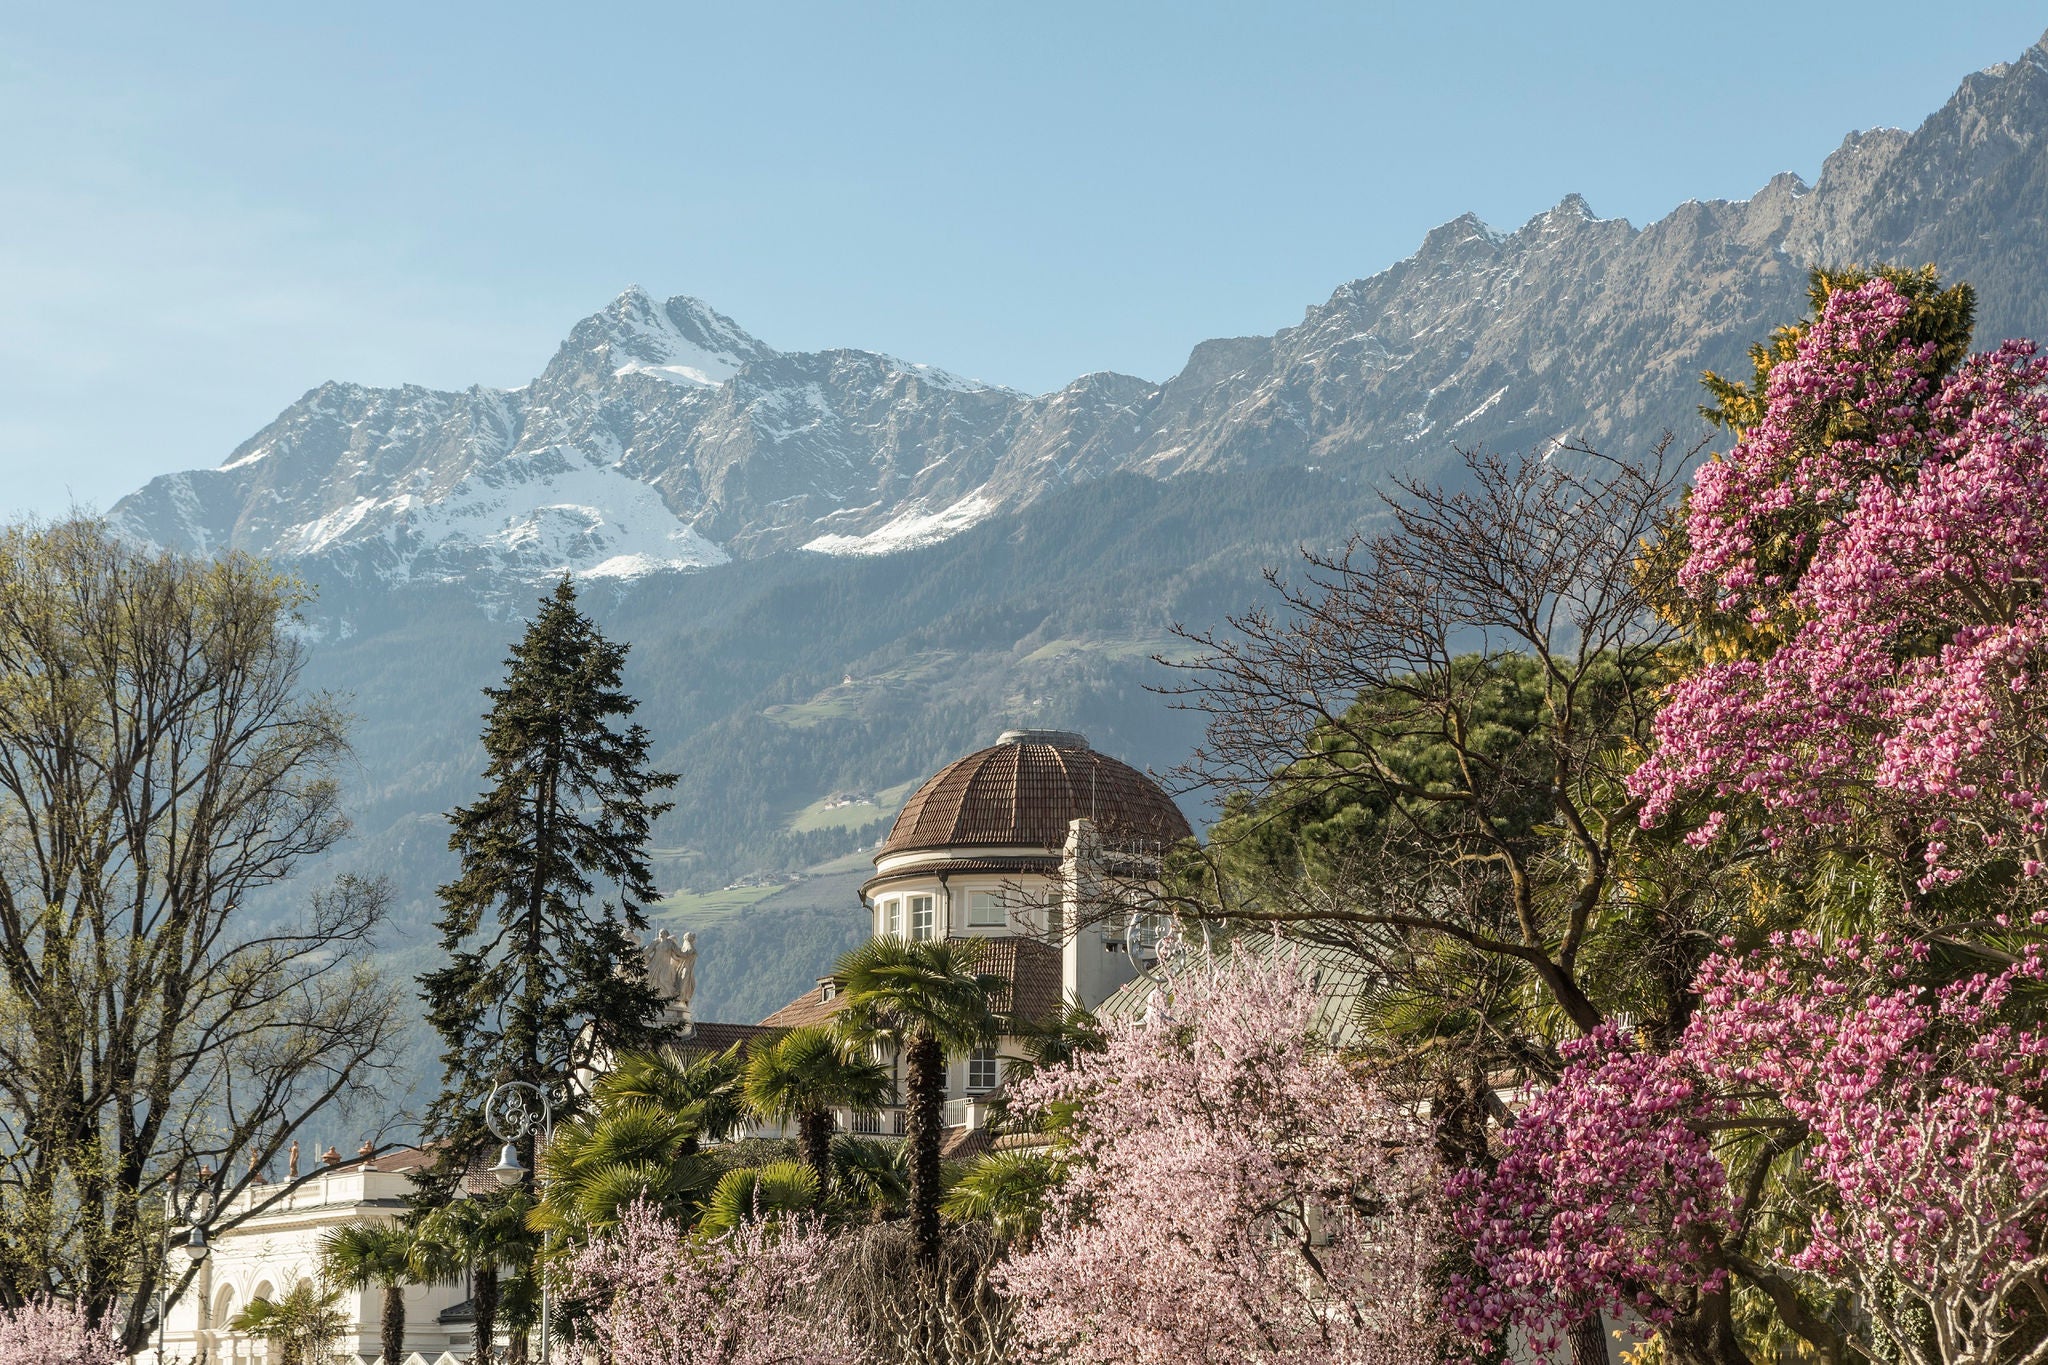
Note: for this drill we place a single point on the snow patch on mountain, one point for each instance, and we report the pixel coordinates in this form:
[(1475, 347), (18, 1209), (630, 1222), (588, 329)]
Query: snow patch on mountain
[(683, 341), (941, 379), (909, 529), (532, 516), (555, 512)]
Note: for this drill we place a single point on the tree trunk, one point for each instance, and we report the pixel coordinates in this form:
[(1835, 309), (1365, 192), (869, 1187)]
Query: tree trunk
[(394, 1324), (926, 1083), (1459, 1121), (483, 1304), (517, 1352), (1589, 1341), (1705, 1336), (814, 1140)]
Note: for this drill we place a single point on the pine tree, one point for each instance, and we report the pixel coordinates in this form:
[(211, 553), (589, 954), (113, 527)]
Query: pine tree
[(542, 971)]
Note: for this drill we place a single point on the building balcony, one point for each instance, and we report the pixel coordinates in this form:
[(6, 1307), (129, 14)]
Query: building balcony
[(887, 1122)]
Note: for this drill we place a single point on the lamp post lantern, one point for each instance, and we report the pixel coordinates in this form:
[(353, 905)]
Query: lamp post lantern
[(509, 1112), (195, 1248)]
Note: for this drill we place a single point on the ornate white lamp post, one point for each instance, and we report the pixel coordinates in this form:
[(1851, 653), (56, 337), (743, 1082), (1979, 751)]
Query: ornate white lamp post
[(195, 1248), (509, 1112)]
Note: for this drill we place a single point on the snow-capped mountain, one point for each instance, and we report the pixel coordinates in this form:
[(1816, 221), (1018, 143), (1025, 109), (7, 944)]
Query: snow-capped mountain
[(664, 436), (889, 564)]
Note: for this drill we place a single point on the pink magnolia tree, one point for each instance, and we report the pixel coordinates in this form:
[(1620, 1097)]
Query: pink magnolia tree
[(1233, 1192), (1889, 526), (1608, 1196), (1926, 1110), (1920, 1118), (750, 1297), (49, 1332)]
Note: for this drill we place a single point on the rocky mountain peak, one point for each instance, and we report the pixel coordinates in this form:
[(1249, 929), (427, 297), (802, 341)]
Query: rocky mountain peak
[(663, 435), (680, 341)]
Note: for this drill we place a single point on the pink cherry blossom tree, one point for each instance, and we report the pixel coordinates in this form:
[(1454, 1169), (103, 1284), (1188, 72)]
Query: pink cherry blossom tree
[(1919, 1116), (1233, 1191), (1888, 525), (47, 1331), (750, 1297)]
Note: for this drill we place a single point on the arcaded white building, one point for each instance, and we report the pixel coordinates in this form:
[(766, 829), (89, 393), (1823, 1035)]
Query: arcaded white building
[(272, 1253)]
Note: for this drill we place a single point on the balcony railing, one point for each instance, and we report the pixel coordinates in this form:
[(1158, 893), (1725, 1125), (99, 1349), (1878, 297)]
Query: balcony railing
[(969, 1113), (877, 1123)]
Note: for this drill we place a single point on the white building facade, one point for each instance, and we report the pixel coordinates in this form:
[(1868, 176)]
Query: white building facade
[(274, 1252)]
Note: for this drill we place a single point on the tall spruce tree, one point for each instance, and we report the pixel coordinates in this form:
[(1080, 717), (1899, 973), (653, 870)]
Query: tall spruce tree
[(543, 969)]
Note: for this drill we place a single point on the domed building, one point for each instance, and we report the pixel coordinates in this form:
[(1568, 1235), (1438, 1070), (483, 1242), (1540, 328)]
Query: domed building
[(1040, 844)]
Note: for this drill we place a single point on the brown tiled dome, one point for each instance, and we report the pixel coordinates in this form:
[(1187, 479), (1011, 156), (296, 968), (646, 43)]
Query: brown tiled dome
[(1023, 791)]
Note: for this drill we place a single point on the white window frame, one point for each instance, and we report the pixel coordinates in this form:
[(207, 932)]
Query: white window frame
[(892, 917), (924, 917), (990, 1068), (985, 910)]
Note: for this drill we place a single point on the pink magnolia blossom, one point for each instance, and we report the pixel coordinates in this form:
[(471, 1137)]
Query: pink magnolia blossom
[(1608, 1195), (48, 1332), (1927, 1115), (746, 1298), (1920, 1117), (1233, 1193), (1907, 556)]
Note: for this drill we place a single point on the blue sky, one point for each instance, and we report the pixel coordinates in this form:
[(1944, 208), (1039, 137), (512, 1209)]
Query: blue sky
[(207, 209)]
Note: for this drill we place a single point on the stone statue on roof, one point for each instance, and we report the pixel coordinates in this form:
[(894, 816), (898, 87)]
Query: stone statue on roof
[(672, 970)]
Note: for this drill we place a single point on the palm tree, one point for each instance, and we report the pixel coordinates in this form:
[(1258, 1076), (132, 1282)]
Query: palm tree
[(302, 1325), (475, 1238), (806, 1074), (752, 1193), (1007, 1190), (639, 1138), (705, 1090), (871, 1173), (365, 1254), (925, 1000), (612, 1158)]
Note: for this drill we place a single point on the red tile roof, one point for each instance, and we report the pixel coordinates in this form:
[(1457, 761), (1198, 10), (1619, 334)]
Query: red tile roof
[(1028, 970), (714, 1037), (961, 1144), (1025, 793), (809, 1008)]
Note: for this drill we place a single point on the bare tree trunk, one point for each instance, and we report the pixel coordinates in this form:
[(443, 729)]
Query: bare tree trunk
[(1705, 1336)]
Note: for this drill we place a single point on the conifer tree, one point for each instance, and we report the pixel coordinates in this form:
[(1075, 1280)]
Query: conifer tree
[(543, 969)]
